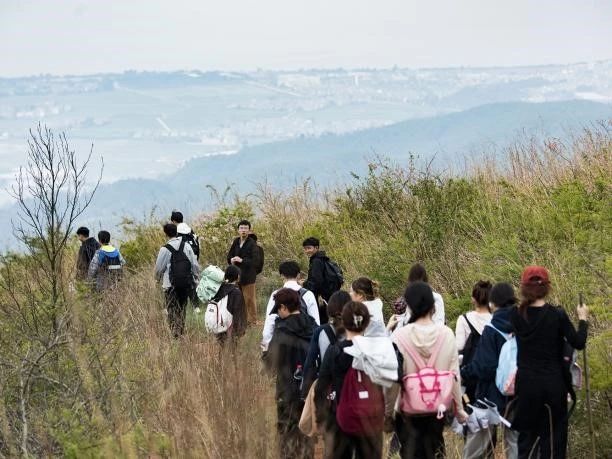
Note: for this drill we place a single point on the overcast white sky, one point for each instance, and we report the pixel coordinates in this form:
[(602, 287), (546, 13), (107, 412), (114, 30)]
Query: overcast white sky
[(80, 37)]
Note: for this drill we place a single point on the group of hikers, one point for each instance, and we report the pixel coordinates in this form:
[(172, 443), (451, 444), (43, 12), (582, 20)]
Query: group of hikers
[(345, 374)]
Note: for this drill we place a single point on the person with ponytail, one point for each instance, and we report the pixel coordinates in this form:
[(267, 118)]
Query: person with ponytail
[(541, 383), (366, 291), (336, 364), (482, 368)]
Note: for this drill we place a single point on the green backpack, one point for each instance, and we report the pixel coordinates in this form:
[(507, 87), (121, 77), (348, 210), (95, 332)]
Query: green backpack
[(210, 281)]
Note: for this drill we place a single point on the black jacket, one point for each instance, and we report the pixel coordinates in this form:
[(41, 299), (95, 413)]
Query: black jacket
[(236, 307), (287, 351), (334, 367), (86, 252), (483, 366), (248, 254), (316, 275)]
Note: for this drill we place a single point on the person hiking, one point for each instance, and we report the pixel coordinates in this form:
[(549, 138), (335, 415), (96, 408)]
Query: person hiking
[(235, 306), (289, 271), (324, 276), (482, 368), (542, 385), (285, 357), (349, 402), (106, 266), (242, 253), (421, 433), (324, 336), (87, 250), (186, 233), (178, 269), (468, 330), (365, 291)]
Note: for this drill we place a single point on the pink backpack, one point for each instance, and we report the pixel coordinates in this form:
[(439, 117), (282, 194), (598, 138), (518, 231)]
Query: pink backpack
[(428, 390)]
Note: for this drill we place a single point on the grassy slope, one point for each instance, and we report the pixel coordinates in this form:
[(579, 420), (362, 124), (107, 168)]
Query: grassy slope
[(134, 392)]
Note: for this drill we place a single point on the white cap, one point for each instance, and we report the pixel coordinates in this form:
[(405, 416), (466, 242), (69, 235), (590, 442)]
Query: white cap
[(183, 228)]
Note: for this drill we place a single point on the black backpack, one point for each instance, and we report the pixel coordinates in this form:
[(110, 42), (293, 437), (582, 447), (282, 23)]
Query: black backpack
[(303, 305), (193, 242), (468, 352), (259, 258), (334, 278), (181, 274)]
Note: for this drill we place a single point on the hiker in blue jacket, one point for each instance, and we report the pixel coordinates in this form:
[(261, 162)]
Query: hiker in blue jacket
[(106, 267), (482, 368)]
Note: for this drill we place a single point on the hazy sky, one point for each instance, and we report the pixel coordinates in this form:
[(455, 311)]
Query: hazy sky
[(79, 37)]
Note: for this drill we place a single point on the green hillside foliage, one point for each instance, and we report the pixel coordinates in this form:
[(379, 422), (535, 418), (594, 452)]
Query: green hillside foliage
[(117, 385)]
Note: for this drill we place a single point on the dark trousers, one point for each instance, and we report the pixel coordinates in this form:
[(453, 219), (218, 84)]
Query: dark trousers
[(292, 443), (541, 416), (176, 303), (421, 437), (339, 445)]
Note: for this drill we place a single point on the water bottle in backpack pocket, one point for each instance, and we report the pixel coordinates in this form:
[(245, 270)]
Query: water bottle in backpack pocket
[(429, 390), (217, 319)]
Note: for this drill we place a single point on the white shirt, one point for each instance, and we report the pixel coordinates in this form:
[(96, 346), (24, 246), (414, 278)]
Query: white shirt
[(311, 306), (438, 315), (375, 308), (462, 329)]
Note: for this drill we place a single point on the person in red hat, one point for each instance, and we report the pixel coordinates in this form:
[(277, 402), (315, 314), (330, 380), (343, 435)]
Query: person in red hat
[(542, 384)]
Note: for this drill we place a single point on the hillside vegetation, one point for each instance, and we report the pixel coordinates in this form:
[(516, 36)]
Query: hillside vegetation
[(91, 376)]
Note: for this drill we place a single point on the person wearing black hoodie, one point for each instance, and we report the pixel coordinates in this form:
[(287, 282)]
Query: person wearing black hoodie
[(481, 369), (286, 356), (243, 253), (542, 383), (235, 305), (316, 281), (88, 248)]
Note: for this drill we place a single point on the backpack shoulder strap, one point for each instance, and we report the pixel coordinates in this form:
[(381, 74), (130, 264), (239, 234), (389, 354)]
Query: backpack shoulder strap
[(170, 248), (472, 329), (418, 360), (182, 246), (330, 334), (507, 336), (435, 351), (303, 291)]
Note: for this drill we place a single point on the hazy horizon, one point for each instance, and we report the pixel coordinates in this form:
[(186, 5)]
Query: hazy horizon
[(82, 38)]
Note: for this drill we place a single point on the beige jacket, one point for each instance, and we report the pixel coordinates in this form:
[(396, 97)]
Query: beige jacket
[(423, 337)]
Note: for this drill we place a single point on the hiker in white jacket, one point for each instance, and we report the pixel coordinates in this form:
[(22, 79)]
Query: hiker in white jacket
[(290, 271), (365, 291)]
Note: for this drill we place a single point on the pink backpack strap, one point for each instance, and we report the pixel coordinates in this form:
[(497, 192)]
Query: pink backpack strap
[(416, 357), (436, 350)]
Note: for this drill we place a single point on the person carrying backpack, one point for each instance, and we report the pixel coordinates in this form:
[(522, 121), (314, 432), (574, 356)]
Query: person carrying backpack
[(285, 357), (230, 298), (87, 250), (483, 367), (335, 376), (324, 276), (542, 384), (323, 337), (178, 269), (469, 328), (186, 233), (106, 267), (243, 253), (431, 384), (289, 271)]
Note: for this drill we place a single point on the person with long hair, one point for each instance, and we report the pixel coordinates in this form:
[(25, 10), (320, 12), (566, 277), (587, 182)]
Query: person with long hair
[(366, 291), (421, 436), (542, 385)]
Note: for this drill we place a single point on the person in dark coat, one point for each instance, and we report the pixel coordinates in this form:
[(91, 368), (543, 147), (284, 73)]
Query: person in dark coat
[(482, 369), (243, 254), (286, 356), (316, 281), (542, 385), (88, 248), (235, 305)]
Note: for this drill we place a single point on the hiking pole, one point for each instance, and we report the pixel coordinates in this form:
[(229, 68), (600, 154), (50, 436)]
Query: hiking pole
[(587, 386)]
